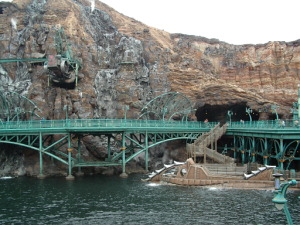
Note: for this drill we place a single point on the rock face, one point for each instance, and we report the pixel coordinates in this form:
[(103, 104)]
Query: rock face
[(126, 63)]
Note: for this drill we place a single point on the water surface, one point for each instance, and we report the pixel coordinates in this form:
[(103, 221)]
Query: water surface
[(112, 200)]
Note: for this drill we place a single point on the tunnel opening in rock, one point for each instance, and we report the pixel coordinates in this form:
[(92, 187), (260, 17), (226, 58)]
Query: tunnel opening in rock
[(273, 116), (219, 113), (1, 10), (65, 85)]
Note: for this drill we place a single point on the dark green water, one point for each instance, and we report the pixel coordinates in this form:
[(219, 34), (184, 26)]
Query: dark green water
[(112, 200)]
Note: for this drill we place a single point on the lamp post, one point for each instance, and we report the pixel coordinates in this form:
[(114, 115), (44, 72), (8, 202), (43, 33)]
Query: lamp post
[(280, 198), (274, 110), (126, 107), (249, 111), (66, 109), (229, 113), (295, 111)]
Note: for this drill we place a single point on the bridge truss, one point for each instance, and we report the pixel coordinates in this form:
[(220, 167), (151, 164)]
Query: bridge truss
[(267, 143), (135, 137), (253, 149)]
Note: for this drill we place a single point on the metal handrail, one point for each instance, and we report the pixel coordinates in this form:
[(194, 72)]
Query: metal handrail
[(131, 123), (271, 124), (97, 123)]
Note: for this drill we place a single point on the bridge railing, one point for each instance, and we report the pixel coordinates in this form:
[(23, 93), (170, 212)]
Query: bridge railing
[(129, 123), (103, 123), (270, 124)]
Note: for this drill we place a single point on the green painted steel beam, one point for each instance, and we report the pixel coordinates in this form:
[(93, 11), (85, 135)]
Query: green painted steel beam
[(98, 126), (96, 163), (23, 60)]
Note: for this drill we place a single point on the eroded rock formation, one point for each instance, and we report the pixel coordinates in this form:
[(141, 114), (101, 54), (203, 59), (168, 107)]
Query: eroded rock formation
[(127, 63)]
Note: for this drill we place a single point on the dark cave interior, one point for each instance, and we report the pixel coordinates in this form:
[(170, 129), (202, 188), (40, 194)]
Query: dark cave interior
[(219, 113)]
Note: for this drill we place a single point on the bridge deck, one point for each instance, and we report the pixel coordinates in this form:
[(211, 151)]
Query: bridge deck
[(268, 129), (100, 126)]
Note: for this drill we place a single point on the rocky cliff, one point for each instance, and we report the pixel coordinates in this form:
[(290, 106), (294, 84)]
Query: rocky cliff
[(126, 63)]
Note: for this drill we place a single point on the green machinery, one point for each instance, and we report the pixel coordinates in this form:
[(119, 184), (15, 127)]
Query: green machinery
[(62, 68)]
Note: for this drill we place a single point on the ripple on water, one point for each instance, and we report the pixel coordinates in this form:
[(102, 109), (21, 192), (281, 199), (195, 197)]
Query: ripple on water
[(111, 200), (6, 178), (153, 184)]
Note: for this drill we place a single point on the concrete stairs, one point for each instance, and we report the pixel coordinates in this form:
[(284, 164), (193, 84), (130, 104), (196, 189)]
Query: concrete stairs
[(257, 172), (154, 176), (226, 170)]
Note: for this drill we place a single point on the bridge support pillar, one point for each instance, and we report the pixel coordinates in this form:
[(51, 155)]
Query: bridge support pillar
[(108, 148), (266, 160), (234, 153), (41, 175), (78, 156), (146, 152), (253, 157), (234, 147), (243, 157), (70, 176), (280, 161), (123, 149)]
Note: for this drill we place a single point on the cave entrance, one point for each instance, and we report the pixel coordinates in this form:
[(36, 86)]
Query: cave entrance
[(219, 113), (1, 10)]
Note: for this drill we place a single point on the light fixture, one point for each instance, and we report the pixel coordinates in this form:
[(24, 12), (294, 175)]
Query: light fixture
[(279, 201)]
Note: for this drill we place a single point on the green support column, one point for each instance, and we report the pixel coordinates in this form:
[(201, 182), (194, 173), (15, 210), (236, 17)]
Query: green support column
[(242, 147), (243, 157), (253, 157), (41, 175), (108, 148), (266, 158), (123, 149), (146, 152), (70, 176), (79, 172), (253, 151), (280, 161), (235, 148)]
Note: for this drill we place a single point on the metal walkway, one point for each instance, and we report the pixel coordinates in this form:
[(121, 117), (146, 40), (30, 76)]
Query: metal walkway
[(253, 140)]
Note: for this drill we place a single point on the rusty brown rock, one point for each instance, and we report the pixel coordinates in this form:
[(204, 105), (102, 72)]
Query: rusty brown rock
[(127, 63)]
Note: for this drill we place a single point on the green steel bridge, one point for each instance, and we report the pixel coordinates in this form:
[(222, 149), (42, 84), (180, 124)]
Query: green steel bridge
[(264, 141)]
